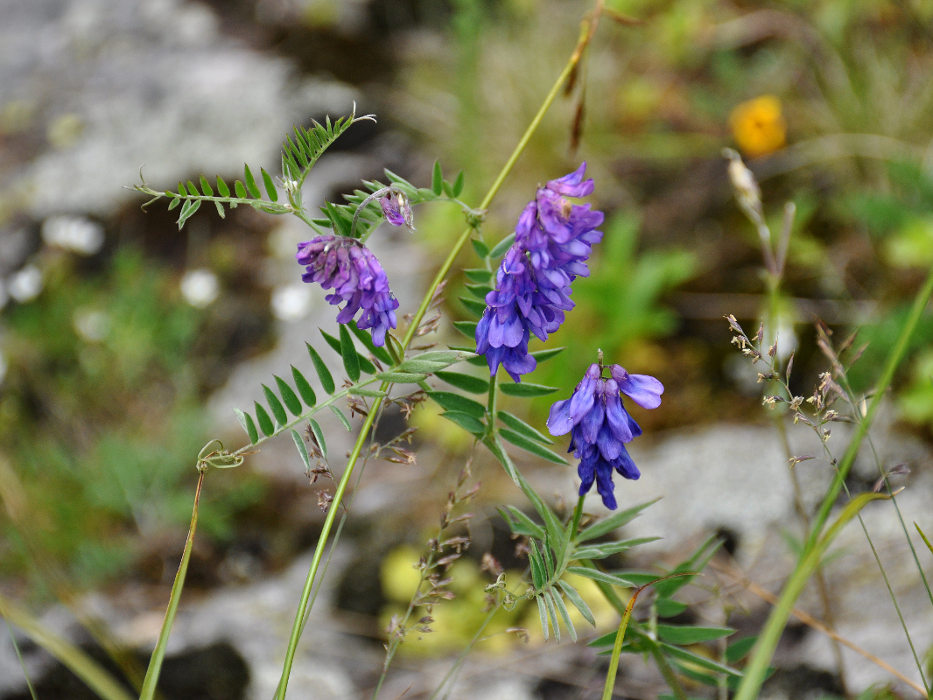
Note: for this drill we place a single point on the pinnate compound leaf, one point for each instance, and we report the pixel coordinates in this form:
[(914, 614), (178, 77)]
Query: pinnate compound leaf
[(275, 405), (288, 396), (327, 381), (265, 423), (304, 388), (246, 420), (335, 344)]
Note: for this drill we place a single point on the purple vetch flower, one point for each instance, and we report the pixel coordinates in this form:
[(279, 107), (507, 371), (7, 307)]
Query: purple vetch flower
[(599, 425), (397, 209), (553, 240), (357, 279)]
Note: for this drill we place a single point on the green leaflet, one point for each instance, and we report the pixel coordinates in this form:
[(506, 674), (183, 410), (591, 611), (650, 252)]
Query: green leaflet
[(304, 388), (327, 381)]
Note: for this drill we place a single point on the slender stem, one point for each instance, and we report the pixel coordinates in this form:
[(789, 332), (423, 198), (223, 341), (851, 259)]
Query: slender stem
[(158, 654), (617, 647)]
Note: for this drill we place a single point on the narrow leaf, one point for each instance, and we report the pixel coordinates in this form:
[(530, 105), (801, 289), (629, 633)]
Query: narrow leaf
[(669, 608), (481, 248), (542, 613), (538, 577), (601, 576), (467, 382), (473, 306), (402, 377), (327, 381), (351, 361), (544, 355), (458, 184), (240, 190), (341, 416), (564, 614), (531, 446), (193, 189), (478, 275), (246, 420), (739, 648), (275, 405), (304, 388), (527, 389), (380, 353), (222, 187), (269, 185), (688, 634), (288, 396), (302, 449), (499, 250), (437, 179), (552, 614), (613, 522), (206, 187), (704, 662), (520, 426), (469, 423), (318, 436), (577, 600), (220, 210), (521, 524), (468, 328), (456, 402), (601, 551), (265, 423), (250, 183)]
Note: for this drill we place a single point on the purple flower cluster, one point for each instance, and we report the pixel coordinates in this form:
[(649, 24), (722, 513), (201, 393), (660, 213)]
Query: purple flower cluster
[(553, 240), (599, 425), (353, 272)]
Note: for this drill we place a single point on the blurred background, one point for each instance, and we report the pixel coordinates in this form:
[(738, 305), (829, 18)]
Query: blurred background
[(125, 344)]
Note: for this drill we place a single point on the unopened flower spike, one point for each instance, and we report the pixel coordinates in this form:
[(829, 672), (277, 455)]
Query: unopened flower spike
[(553, 240), (599, 425), (395, 207), (358, 281)]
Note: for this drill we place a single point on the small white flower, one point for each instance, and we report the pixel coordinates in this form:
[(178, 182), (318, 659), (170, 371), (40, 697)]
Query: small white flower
[(74, 233), (200, 287), (25, 284), (91, 324), (291, 302)]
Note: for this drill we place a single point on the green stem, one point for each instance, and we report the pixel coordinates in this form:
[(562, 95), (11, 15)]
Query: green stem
[(617, 648), (158, 654)]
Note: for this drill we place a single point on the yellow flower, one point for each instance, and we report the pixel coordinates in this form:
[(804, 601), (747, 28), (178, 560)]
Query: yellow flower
[(758, 126)]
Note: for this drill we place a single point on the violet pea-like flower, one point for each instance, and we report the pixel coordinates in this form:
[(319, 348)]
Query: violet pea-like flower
[(553, 239), (599, 425), (357, 279)]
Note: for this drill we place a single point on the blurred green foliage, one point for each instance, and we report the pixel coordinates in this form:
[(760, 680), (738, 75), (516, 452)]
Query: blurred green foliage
[(101, 418)]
